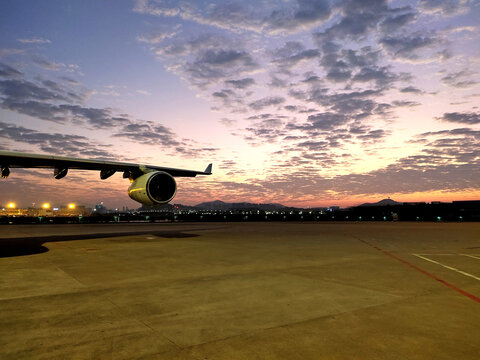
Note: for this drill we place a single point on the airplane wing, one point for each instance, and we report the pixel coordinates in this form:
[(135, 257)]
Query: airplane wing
[(61, 165)]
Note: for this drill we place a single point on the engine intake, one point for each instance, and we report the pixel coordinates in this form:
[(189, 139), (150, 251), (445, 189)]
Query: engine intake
[(153, 188)]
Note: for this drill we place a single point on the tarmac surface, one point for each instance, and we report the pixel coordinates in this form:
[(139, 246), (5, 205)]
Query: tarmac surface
[(240, 291)]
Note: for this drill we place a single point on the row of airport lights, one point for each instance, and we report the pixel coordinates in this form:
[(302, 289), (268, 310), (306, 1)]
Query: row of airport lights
[(46, 206)]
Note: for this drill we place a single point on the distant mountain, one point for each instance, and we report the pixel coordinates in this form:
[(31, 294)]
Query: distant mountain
[(220, 205), (214, 205), (384, 202)]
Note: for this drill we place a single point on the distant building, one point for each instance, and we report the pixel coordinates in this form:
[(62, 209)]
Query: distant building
[(100, 208), (70, 210)]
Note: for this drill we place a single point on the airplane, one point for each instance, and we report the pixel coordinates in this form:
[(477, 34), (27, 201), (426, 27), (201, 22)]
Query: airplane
[(150, 185)]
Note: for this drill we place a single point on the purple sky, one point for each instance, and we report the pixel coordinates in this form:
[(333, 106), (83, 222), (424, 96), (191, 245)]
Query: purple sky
[(302, 102)]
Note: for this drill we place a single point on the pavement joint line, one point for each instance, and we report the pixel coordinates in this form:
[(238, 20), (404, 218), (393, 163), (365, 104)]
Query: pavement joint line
[(447, 266), (66, 273), (447, 284), (288, 325), (144, 324)]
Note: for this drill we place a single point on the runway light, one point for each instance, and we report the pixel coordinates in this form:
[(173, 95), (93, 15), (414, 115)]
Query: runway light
[(46, 206), (71, 206), (11, 205)]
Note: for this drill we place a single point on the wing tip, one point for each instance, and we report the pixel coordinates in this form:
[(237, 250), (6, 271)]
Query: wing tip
[(208, 170)]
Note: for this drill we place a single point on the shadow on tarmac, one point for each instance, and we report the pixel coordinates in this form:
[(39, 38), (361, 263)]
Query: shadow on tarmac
[(10, 247)]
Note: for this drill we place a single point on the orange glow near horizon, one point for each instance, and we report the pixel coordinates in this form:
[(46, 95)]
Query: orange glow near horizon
[(427, 197)]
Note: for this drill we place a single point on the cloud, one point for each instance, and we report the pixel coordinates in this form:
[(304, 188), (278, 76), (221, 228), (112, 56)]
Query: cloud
[(315, 146), (96, 117), (349, 27), (207, 59), (69, 80), (223, 57), (466, 132), (348, 103), (405, 103), (34, 40), (228, 122), (460, 79), (99, 118), (223, 94), (241, 83), (159, 34), (9, 72), (224, 66), (411, 90), (229, 98), (346, 77), (307, 12), (48, 65), (152, 134), (53, 66), (359, 65), (322, 121), (449, 161), (359, 18), (395, 22), (374, 135), (63, 102), (214, 64), (343, 107), (265, 116), (245, 15), (11, 51), (444, 7), (18, 90), (36, 109), (406, 47), (461, 118), (148, 133), (277, 82), (265, 102), (50, 100), (268, 130), (55, 143), (337, 75), (292, 53), (381, 75)]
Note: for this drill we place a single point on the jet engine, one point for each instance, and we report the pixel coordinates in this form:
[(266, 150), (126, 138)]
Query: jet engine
[(153, 188)]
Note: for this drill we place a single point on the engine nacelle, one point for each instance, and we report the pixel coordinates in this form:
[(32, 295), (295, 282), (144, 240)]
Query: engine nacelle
[(153, 188)]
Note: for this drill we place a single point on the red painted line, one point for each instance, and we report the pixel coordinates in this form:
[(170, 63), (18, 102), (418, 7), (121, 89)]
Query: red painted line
[(453, 287)]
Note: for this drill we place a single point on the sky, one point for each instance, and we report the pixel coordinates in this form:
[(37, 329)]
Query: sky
[(301, 102)]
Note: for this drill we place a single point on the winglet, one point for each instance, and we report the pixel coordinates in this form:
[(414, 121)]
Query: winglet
[(208, 170)]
